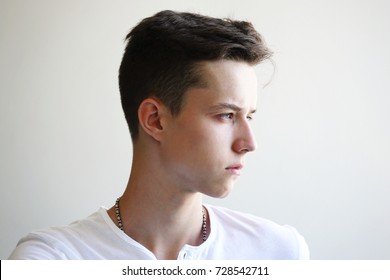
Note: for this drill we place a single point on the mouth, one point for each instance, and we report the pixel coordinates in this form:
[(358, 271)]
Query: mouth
[(235, 169)]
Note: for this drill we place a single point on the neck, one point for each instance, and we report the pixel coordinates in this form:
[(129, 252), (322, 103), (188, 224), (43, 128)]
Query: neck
[(160, 219), (156, 210)]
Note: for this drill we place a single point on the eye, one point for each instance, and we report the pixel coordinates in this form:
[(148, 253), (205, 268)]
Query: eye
[(249, 117), (226, 116)]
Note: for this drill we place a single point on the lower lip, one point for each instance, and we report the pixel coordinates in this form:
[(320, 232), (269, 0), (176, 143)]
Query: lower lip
[(235, 171)]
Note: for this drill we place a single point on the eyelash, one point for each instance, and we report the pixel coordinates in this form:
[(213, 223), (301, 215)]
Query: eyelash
[(230, 116), (226, 116)]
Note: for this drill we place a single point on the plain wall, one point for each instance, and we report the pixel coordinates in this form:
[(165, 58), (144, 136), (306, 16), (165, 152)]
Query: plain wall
[(322, 126)]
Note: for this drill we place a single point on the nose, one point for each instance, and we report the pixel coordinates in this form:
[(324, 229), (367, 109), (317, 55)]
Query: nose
[(244, 140)]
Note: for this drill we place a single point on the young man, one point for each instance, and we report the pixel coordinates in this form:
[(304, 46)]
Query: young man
[(188, 91)]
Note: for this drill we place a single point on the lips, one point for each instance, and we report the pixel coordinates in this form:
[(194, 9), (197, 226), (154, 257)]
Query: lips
[(235, 169)]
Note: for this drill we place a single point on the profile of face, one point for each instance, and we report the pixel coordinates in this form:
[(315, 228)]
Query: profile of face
[(204, 146)]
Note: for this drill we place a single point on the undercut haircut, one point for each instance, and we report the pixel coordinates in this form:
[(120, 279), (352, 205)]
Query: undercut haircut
[(164, 52)]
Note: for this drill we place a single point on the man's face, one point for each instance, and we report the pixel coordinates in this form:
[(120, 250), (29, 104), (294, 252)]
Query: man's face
[(204, 146)]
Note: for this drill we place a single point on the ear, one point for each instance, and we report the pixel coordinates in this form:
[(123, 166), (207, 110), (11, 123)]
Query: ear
[(149, 116)]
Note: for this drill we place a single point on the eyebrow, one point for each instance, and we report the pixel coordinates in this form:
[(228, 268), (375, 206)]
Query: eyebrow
[(224, 105)]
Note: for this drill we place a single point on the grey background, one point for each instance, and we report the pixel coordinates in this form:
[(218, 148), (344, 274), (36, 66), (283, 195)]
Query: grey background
[(322, 127)]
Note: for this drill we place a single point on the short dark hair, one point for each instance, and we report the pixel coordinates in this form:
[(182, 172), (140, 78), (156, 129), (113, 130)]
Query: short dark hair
[(163, 52)]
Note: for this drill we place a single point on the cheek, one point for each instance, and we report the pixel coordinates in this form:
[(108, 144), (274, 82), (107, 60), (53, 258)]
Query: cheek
[(208, 146), (201, 142)]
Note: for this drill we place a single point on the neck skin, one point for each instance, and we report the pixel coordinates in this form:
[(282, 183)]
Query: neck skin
[(155, 210)]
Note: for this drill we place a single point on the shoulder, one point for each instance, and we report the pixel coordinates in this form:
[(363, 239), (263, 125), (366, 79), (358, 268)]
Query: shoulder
[(244, 221), (258, 234), (60, 242)]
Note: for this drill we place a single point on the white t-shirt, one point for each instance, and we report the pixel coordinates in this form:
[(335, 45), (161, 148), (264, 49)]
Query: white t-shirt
[(233, 235)]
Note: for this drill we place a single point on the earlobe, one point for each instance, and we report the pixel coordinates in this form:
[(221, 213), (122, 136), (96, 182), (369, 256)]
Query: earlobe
[(149, 116)]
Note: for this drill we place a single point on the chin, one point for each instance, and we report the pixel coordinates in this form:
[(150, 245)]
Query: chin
[(221, 192)]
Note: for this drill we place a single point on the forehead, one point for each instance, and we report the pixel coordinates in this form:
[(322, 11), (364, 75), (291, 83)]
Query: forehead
[(225, 81)]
